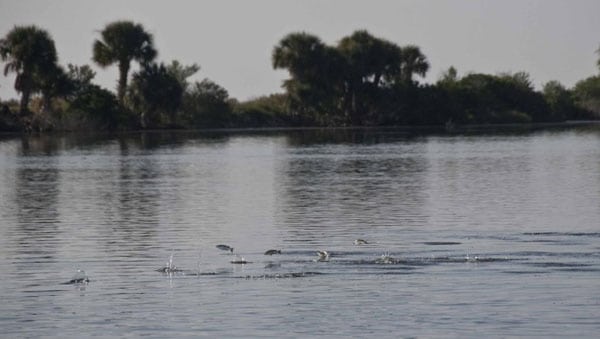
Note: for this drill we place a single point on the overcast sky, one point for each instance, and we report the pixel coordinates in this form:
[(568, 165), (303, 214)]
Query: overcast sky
[(232, 40)]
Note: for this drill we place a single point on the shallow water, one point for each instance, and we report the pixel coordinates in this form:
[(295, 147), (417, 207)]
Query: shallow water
[(489, 234)]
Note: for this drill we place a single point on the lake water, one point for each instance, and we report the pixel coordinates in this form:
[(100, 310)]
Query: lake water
[(469, 234)]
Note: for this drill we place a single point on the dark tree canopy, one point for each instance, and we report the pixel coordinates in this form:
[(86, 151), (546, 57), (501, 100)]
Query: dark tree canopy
[(30, 53), (360, 80), (155, 92), (206, 104), (344, 83), (122, 42)]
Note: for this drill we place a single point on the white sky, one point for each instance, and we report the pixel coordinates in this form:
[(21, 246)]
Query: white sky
[(232, 40)]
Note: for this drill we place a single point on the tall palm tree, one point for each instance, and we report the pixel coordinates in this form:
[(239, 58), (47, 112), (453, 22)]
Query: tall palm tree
[(122, 42), (314, 70), (370, 64), (598, 62), (300, 53), (413, 62), (30, 53)]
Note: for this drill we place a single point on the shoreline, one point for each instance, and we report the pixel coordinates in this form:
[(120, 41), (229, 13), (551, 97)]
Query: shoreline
[(405, 128)]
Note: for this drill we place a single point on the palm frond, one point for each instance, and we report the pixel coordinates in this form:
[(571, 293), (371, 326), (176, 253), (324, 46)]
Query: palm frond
[(103, 55)]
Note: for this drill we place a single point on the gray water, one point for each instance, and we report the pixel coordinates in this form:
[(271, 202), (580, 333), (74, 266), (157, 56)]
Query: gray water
[(489, 234)]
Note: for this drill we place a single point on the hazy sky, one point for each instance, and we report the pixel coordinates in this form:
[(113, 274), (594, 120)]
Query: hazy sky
[(232, 40)]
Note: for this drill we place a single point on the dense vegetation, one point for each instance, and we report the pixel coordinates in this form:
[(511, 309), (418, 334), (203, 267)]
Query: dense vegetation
[(361, 81)]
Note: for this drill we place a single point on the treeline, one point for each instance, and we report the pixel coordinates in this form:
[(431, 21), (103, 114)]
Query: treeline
[(159, 95), (365, 80), (361, 81)]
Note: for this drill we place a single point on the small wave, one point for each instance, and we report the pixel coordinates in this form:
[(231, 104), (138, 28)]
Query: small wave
[(282, 275), (565, 266), (550, 241), (557, 264), (525, 272), (578, 269), (425, 261), (352, 253), (457, 260), (396, 272), (556, 254), (190, 273), (478, 259), (37, 292), (296, 253), (169, 270), (493, 237), (543, 233), (569, 234), (441, 243)]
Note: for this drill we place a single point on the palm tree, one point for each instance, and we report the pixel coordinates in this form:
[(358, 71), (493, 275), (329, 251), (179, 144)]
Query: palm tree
[(30, 53), (154, 91), (300, 53), (314, 70), (122, 42), (413, 62), (54, 82), (371, 63), (598, 62)]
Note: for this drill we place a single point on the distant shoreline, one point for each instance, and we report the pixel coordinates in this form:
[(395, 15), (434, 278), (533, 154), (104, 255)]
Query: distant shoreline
[(459, 128)]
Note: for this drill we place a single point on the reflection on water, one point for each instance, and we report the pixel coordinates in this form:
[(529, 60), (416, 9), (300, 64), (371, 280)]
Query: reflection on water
[(472, 234), (337, 186), (35, 212)]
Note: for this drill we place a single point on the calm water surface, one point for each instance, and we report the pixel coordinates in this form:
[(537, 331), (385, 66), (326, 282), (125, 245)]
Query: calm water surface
[(482, 234)]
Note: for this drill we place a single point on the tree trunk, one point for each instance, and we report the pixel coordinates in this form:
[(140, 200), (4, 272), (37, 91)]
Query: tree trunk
[(123, 70), (144, 120), (353, 109), (46, 104), (24, 106), (377, 79)]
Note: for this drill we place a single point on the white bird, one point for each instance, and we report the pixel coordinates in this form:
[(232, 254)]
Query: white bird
[(386, 259), (323, 255)]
